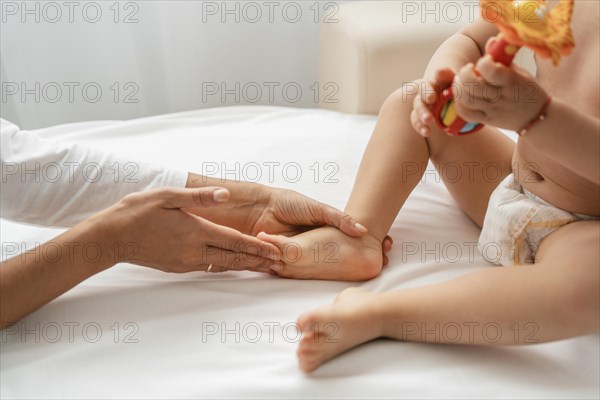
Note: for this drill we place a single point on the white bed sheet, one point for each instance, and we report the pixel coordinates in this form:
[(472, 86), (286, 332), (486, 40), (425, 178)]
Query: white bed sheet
[(171, 313)]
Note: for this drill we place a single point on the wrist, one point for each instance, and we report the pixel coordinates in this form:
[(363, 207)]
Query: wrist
[(96, 234), (539, 117), (530, 108)]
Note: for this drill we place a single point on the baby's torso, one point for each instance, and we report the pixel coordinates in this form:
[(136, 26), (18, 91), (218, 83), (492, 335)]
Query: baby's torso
[(575, 81)]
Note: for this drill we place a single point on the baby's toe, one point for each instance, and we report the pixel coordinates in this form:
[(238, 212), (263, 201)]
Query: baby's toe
[(306, 320)]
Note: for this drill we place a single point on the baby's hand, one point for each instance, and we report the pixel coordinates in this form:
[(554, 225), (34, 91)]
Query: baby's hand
[(492, 93), (421, 116)]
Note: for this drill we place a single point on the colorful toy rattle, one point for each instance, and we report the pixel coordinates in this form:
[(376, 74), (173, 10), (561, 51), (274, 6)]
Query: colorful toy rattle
[(521, 23)]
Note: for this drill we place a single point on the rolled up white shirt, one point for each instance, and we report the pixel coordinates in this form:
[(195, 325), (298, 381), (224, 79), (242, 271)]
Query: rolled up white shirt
[(51, 183)]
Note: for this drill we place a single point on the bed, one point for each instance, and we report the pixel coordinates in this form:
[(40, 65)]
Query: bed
[(132, 332)]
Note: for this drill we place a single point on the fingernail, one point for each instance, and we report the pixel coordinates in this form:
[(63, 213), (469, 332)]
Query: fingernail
[(221, 195), (277, 267), (361, 228)]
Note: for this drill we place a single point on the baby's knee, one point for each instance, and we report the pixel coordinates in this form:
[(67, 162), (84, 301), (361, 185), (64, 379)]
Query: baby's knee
[(405, 95)]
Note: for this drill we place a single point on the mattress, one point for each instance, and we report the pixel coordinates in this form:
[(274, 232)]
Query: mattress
[(133, 332)]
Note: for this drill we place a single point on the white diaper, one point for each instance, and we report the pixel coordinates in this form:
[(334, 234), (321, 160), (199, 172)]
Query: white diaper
[(515, 223)]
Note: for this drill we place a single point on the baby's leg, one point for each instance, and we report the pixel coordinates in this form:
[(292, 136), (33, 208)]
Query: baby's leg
[(396, 157), (392, 166), (556, 298)]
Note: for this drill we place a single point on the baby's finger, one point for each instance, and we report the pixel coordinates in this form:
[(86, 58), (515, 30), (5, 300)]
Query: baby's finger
[(417, 101), (428, 93), (443, 78), (417, 125), (414, 121), (494, 73), (423, 113), (419, 105), (490, 42), (469, 85), (470, 114)]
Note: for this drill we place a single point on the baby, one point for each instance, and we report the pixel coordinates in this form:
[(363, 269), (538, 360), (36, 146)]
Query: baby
[(544, 214)]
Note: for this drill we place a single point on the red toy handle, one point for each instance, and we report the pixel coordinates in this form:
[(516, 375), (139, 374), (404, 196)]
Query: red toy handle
[(443, 110), (502, 51)]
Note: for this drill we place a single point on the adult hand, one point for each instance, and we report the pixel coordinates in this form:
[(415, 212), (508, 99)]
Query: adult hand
[(253, 208), (146, 228), (289, 213), (286, 212), (167, 238)]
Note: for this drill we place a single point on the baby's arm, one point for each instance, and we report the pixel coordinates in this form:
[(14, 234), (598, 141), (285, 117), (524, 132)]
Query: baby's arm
[(570, 137), (567, 134)]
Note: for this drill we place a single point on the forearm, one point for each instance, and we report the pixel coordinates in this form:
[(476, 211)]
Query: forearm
[(570, 137), (34, 278), (60, 184), (497, 306)]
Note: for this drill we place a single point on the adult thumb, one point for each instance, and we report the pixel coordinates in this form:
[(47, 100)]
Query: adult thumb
[(195, 198)]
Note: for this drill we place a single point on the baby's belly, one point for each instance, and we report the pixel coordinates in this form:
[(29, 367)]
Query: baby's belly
[(545, 178)]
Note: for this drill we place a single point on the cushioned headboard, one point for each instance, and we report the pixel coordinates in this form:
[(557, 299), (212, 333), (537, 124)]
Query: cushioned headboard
[(368, 49)]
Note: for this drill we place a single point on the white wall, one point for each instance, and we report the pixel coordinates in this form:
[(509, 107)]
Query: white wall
[(171, 56)]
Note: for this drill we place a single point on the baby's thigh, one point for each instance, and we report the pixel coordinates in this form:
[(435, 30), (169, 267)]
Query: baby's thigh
[(572, 255), (575, 244)]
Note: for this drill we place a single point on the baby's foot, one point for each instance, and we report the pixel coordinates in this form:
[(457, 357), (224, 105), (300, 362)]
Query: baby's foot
[(351, 320), (327, 253)]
